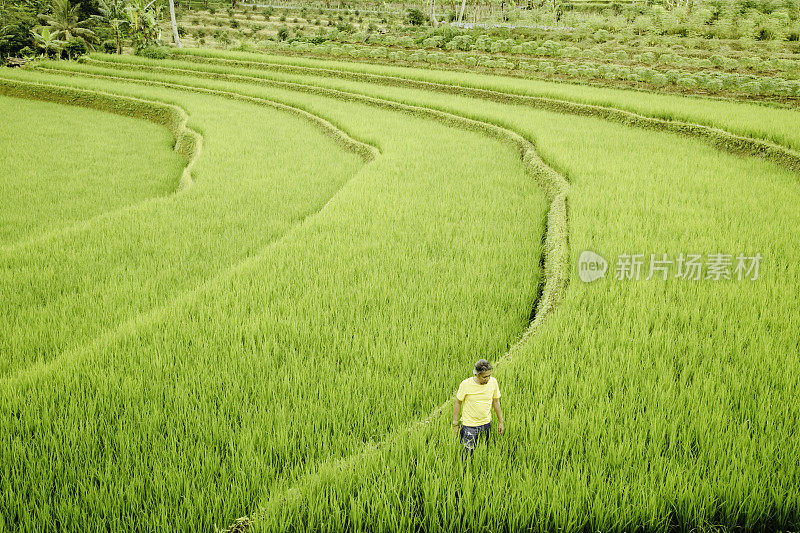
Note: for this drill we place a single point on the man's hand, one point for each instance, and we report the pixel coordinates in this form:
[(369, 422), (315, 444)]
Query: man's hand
[(456, 410), (499, 412)]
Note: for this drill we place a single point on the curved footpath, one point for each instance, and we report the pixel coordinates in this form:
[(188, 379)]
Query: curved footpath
[(718, 137), (555, 257), (189, 142)]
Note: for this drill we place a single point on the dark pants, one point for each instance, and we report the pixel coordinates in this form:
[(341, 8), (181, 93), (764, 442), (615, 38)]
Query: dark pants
[(470, 435)]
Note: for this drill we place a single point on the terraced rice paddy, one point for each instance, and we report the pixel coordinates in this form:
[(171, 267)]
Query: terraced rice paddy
[(274, 327)]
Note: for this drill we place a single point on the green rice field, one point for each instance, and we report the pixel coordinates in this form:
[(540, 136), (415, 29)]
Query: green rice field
[(239, 292)]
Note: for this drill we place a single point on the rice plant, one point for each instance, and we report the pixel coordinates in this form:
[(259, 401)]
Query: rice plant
[(280, 341)]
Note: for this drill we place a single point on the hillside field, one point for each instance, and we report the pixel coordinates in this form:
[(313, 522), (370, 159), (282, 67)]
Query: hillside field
[(240, 290)]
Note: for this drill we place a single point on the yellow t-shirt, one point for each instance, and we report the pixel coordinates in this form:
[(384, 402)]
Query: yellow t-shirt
[(477, 401)]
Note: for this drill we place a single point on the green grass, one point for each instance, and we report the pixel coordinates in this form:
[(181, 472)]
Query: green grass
[(774, 124), (71, 287), (94, 165), (638, 404), (288, 386), (196, 408), (692, 380)]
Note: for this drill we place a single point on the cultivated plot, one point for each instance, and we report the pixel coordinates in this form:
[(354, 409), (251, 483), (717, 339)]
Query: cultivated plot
[(298, 317)]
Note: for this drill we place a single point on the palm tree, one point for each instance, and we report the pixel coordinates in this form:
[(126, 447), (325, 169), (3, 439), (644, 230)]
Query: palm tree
[(434, 21), (113, 13), (65, 24), (47, 41), (5, 37), (142, 20), (174, 24)]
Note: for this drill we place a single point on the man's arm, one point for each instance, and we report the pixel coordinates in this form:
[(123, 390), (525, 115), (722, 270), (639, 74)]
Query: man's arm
[(456, 411), (499, 412)]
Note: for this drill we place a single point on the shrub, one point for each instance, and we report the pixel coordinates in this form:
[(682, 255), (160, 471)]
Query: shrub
[(432, 42), (717, 60), (502, 45), (609, 72), (750, 87), (109, 46), (713, 84), (673, 75), (619, 55), (483, 43), (283, 33), (659, 79), (505, 63), (646, 73), (415, 17), (570, 51), (601, 36), (641, 25), (76, 47), (460, 42), (154, 52), (648, 57), (549, 48), (379, 52), (765, 32), (667, 58), (405, 42), (768, 85)]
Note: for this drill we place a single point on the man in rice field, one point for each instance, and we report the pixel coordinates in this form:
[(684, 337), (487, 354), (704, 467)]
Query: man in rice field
[(477, 395)]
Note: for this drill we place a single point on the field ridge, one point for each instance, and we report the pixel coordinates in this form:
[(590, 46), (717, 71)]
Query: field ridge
[(188, 142), (64, 94), (365, 151), (718, 137), (555, 261)]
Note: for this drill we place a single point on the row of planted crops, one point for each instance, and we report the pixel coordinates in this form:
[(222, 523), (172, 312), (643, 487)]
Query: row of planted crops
[(253, 291)]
